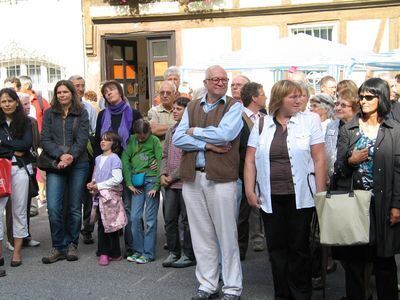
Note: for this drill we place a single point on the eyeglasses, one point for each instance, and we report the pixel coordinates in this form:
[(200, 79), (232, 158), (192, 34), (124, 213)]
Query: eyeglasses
[(342, 105), (216, 80), (165, 93), (367, 97), (236, 85)]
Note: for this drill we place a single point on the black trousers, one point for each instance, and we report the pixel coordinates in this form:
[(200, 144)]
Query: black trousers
[(358, 274), (243, 225), (174, 208), (108, 243), (287, 231)]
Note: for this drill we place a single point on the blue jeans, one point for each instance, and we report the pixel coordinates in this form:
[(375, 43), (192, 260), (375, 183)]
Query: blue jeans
[(144, 239), (74, 180)]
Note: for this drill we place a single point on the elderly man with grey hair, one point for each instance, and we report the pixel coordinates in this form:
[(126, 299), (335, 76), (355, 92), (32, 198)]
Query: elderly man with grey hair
[(173, 75), (323, 105), (79, 84), (209, 134), (160, 116)]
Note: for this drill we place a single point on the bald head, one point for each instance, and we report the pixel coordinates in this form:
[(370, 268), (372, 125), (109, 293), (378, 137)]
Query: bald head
[(236, 86), (167, 94), (216, 83)]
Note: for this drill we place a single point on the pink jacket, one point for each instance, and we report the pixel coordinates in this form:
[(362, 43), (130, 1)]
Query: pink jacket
[(112, 209)]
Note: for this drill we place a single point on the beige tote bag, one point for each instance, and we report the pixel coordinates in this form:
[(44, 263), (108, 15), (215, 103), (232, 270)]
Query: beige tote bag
[(343, 217)]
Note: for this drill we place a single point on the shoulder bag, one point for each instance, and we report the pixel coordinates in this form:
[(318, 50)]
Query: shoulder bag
[(49, 164), (344, 216)]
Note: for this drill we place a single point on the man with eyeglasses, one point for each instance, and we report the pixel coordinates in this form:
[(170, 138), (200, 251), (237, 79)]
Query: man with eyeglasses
[(209, 134), (236, 86), (328, 86), (160, 116)]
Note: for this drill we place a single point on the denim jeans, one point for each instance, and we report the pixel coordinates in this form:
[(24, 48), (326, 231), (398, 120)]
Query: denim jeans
[(144, 239), (74, 180)]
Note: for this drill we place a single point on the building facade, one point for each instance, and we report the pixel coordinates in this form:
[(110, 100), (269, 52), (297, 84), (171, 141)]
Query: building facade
[(135, 42)]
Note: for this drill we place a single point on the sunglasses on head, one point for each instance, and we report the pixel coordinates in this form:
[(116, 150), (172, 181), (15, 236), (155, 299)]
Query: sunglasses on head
[(367, 97)]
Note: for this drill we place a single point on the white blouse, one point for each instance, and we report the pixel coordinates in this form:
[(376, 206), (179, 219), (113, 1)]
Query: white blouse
[(304, 130)]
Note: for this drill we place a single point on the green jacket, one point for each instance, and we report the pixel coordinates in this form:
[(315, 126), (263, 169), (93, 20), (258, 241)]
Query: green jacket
[(137, 158)]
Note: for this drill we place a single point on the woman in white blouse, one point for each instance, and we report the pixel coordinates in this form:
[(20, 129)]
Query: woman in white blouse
[(284, 167)]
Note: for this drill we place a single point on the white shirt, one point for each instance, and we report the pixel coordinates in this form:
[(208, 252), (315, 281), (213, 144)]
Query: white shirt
[(304, 129), (252, 116)]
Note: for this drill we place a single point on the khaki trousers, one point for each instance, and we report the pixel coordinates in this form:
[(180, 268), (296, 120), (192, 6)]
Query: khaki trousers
[(211, 209)]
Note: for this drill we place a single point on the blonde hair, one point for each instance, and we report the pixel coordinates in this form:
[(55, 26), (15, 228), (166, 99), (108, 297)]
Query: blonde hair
[(280, 90)]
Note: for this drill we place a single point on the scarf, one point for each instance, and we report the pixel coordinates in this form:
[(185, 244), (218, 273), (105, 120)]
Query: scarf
[(125, 126)]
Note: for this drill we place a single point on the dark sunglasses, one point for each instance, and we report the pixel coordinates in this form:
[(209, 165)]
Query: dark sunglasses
[(367, 97)]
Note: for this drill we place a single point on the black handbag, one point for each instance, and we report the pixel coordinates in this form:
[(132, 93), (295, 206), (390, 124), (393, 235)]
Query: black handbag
[(49, 164), (33, 189)]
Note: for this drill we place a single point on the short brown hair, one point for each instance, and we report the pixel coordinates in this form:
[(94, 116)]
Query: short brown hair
[(351, 96), (347, 84), (280, 90)]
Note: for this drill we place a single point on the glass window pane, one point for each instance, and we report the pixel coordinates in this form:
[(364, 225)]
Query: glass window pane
[(159, 68), (34, 72), (330, 34), (13, 71), (130, 72), (160, 49), (323, 34), (157, 85), (118, 72), (116, 52), (128, 53)]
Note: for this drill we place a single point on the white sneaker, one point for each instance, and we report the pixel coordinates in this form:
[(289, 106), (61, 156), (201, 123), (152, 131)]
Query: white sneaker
[(9, 246), (33, 243)]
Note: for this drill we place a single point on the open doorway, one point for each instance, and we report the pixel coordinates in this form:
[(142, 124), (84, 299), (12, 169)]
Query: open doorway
[(138, 61)]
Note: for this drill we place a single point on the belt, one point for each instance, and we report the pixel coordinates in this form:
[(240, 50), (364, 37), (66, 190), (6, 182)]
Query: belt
[(201, 169)]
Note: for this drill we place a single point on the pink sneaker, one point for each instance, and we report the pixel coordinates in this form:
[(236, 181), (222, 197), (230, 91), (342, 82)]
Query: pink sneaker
[(103, 260)]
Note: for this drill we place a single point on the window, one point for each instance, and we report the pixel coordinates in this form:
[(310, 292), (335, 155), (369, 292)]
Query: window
[(13, 71), (326, 31), (33, 72), (54, 74)]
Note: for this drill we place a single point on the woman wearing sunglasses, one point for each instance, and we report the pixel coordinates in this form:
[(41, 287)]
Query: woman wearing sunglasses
[(369, 154)]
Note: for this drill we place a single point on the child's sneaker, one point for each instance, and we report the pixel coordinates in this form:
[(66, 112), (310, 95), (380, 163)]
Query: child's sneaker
[(103, 260), (142, 260), (133, 257)]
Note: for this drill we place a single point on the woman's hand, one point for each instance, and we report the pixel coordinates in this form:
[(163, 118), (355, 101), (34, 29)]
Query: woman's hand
[(152, 193), (19, 153), (358, 156), (135, 190), (253, 200), (165, 180), (394, 216)]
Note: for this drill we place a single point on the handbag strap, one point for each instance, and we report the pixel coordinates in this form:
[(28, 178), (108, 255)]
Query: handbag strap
[(74, 126)]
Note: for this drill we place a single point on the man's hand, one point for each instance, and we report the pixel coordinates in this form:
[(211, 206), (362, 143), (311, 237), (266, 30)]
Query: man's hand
[(394, 216), (190, 131), (219, 149), (165, 180), (19, 153)]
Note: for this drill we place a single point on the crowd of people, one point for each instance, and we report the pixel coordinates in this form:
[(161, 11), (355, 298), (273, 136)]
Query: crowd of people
[(232, 171)]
